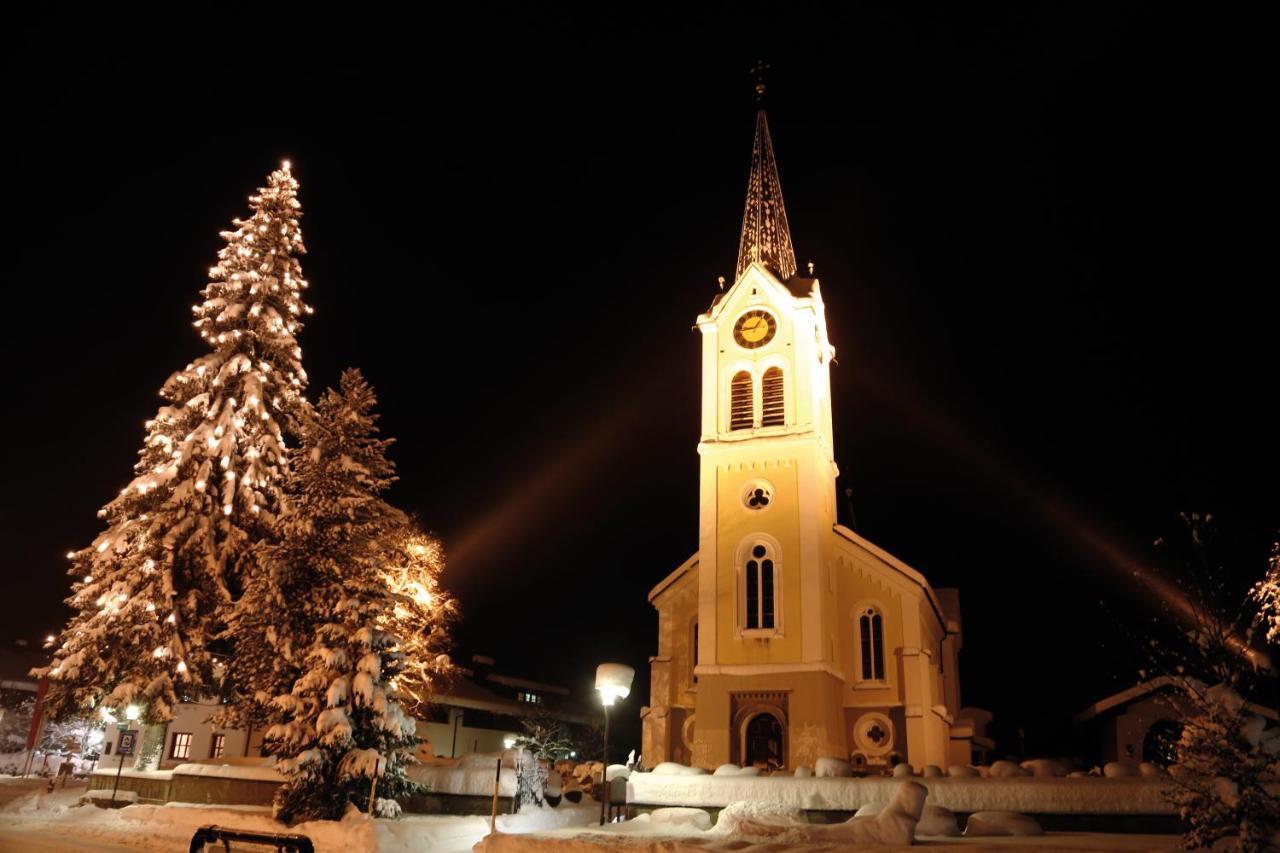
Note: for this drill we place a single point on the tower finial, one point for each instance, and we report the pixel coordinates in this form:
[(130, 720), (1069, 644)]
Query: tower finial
[(758, 71), (766, 237)]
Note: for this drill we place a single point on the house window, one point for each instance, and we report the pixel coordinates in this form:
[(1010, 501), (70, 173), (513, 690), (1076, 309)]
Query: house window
[(741, 407), (871, 639), (758, 586), (181, 747), (531, 698), (217, 746), (772, 399)]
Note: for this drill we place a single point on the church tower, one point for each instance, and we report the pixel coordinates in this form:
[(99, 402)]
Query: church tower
[(767, 464), (788, 637)]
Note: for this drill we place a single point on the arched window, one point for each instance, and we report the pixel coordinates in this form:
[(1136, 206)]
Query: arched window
[(758, 585), (772, 402), (693, 670), (871, 637), (741, 415)]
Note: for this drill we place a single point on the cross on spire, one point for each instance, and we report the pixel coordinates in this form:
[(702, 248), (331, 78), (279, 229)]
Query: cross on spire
[(766, 237)]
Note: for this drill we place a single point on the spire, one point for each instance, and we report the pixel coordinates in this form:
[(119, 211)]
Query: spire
[(765, 235)]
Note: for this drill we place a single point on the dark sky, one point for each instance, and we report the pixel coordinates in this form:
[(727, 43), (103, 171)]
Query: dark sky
[(1039, 233)]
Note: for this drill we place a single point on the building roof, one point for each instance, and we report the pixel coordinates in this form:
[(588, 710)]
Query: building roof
[(1145, 688), (498, 694), (766, 237)]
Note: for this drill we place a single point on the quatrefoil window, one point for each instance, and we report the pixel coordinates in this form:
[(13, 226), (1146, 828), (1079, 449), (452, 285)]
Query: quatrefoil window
[(757, 495)]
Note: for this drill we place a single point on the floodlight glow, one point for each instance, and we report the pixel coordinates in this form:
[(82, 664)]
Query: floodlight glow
[(613, 680)]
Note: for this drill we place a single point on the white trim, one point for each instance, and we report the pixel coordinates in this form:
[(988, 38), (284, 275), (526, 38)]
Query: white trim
[(746, 669)]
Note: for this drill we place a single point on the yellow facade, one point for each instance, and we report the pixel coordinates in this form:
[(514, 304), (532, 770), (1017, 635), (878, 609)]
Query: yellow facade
[(787, 637)]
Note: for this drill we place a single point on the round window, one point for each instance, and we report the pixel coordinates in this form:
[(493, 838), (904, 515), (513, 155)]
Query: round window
[(873, 733), (757, 495)]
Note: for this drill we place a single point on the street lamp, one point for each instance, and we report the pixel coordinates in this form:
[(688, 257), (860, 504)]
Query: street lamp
[(613, 680), (124, 746)]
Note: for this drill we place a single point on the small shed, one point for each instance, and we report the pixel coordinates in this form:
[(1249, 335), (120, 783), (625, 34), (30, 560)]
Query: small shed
[(1139, 723)]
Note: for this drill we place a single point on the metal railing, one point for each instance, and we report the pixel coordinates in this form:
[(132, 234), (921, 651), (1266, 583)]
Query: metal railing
[(283, 842)]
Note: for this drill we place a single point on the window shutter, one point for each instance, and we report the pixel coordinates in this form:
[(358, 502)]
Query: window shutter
[(772, 398), (740, 413)]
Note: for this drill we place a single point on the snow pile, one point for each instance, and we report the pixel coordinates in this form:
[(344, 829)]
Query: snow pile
[(1136, 795), (828, 767), (679, 818), (670, 768), (1006, 770), (993, 823), (250, 772), (750, 812), (1045, 767), (895, 824), (1119, 769), (935, 821), (161, 775)]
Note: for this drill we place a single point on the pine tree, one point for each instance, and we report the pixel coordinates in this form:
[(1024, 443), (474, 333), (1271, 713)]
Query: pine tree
[(1266, 595), (1225, 753), (422, 616), (340, 719), (153, 589)]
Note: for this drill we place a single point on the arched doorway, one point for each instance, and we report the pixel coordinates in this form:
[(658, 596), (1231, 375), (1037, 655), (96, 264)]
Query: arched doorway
[(762, 741)]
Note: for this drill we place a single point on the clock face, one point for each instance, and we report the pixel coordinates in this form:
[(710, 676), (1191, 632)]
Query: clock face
[(754, 329)]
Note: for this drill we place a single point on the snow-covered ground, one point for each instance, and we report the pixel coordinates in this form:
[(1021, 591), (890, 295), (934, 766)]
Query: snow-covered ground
[(32, 818)]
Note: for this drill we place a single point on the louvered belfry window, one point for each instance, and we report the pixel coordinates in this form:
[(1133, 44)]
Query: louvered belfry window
[(740, 403), (772, 398)]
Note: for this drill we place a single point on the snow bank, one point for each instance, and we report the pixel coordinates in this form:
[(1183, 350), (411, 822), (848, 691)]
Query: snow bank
[(256, 773), (681, 818), (988, 824), (1136, 795), (470, 781), (161, 775), (670, 768)]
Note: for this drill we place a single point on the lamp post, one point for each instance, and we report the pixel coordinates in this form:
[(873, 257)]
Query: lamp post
[(123, 748), (613, 680)]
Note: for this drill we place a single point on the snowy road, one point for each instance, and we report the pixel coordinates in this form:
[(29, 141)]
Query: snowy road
[(43, 841)]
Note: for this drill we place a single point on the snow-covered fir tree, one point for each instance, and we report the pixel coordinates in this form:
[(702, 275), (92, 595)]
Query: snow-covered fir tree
[(423, 614), (1226, 753), (1266, 594), (151, 593), (340, 721)]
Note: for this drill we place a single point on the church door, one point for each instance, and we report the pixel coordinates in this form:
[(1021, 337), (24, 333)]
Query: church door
[(763, 742)]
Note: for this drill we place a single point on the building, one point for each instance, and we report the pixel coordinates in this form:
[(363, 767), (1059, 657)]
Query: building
[(482, 711), (1140, 723), (788, 636)]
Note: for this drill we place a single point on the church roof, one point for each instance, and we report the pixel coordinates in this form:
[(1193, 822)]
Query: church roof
[(766, 237)]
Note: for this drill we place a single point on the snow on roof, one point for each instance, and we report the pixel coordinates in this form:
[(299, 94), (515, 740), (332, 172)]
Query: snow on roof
[(1144, 688), (670, 579), (898, 566)]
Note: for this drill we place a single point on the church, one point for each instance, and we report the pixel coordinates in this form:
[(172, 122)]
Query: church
[(788, 637)]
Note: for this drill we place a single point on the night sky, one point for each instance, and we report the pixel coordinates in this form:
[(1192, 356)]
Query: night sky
[(1040, 234)]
